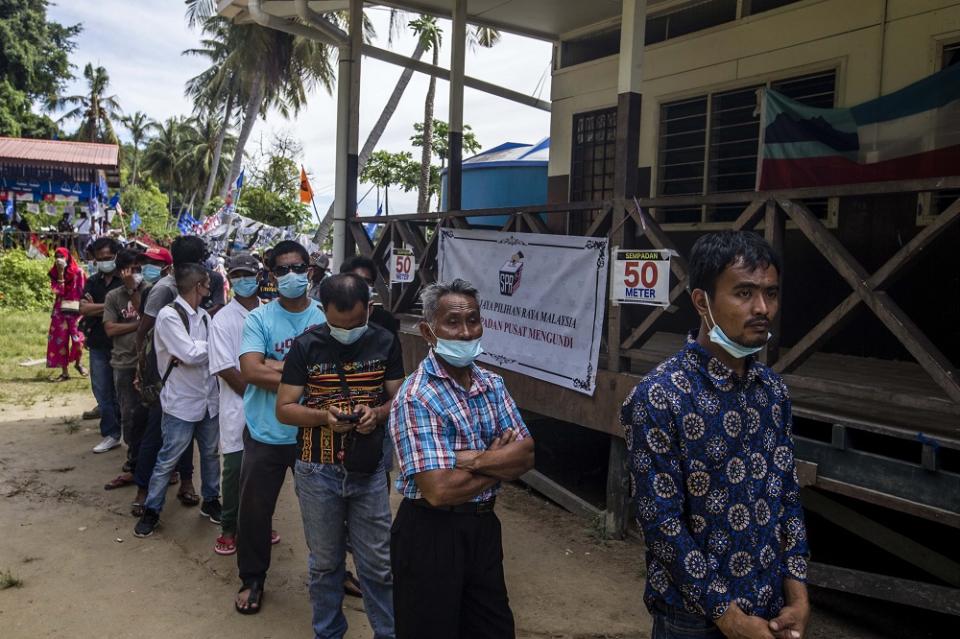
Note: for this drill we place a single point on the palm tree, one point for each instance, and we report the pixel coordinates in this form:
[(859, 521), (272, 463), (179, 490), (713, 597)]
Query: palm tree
[(95, 109), (139, 125), (206, 152), (216, 87), (167, 152)]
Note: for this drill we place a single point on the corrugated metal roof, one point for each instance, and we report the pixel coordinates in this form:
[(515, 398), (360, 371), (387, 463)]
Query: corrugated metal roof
[(59, 151)]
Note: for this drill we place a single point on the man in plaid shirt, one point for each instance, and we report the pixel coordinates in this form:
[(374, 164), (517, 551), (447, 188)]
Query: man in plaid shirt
[(458, 434)]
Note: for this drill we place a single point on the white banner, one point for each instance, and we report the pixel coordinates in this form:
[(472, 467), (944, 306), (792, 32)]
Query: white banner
[(403, 266), (640, 277), (542, 300)]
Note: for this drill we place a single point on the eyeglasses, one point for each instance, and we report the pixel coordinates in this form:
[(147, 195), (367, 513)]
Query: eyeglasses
[(299, 269)]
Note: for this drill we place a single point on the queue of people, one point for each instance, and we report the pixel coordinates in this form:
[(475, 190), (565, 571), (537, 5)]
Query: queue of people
[(299, 371)]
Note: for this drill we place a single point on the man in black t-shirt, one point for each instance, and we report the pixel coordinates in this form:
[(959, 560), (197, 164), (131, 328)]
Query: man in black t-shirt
[(95, 291), (346, 370)]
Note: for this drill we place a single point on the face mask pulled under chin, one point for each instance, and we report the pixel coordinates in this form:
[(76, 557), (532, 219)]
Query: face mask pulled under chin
[(735, 349)]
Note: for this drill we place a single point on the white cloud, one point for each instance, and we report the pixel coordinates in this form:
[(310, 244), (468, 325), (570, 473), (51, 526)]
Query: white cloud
[(140, 42)]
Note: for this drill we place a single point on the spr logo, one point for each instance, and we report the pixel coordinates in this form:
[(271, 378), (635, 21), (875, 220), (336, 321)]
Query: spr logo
[(510, 274)]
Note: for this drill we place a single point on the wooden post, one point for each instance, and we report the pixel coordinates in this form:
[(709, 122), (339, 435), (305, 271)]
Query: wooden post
[(617, 513), (773, 232), (455, 134)]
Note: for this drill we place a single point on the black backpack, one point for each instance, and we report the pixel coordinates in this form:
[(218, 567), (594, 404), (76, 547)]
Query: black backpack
[(151, 382)]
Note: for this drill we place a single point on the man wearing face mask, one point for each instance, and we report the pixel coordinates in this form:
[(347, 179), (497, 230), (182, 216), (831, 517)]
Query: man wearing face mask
[(711, 453), (458, 434), (345, 371), (226, 331), (99, 344), (121, 316), (269, 446)]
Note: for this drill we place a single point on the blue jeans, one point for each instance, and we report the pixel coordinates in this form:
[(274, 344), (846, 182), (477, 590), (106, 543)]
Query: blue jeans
[(676, 623), (150, 447), (101, 379), (329, 496), (177, 435)]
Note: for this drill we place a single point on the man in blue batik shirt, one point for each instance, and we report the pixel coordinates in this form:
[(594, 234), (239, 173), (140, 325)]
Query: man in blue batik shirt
[(711, 456)]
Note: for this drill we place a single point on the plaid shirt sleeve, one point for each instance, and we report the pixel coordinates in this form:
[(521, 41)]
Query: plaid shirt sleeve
[(417, 434), (508, 415)]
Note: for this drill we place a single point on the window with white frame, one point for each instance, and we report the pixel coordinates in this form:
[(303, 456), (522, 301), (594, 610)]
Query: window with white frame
[(709, 144)]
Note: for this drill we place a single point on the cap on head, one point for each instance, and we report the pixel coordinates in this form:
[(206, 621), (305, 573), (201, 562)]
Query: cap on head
[(242, 262), (158, 254)]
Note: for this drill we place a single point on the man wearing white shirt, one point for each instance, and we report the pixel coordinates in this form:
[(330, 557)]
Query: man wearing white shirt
[(189, 398), (226, 329)]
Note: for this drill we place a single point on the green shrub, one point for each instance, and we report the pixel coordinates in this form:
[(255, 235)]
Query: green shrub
[(24, 283)]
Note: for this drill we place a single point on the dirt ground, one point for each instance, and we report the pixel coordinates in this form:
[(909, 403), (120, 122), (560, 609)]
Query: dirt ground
[(84, 574)]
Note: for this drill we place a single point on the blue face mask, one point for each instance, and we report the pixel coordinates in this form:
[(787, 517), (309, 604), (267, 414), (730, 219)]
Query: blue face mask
[(244, 286), (293, 285), (718, 337), (457, 352), (151, 273), (107, 266), (347, 336)]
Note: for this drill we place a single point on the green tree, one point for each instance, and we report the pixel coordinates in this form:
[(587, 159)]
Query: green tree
[(167, 153), (207, 159), (34, 66), (266, 206), (139, 126), (151, 205), (95, 110), (385, 169), (441, 140)]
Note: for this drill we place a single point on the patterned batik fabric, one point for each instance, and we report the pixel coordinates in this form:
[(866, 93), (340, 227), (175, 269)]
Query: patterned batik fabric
[(715, 485), (433, 417)]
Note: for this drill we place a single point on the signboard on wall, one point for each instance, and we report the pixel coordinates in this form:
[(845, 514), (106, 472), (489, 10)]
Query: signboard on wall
[(640, 277), (542, 299)]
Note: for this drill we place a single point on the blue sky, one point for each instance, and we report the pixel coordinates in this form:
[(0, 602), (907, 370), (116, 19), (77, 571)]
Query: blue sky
[(140, 42)]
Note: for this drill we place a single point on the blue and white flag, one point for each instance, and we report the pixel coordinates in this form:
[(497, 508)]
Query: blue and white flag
[(8, 209), (114, 201), (186, 224), (371, 228), (102, 185), (135, 221), (240, 180)]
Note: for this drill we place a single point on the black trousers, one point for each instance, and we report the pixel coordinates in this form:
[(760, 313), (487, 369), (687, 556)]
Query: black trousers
[(262, 473), (448, 575)]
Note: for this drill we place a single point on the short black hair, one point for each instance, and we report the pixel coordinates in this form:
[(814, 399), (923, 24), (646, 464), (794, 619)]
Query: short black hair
[(189, 275), (714, 252), (105, 242), (188, 249), (126, 258), (285, 247), (358, 261), (344, 291)]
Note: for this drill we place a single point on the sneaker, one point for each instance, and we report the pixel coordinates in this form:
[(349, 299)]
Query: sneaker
[(93, 413), (147, 524), (211, 509), (108, 443)]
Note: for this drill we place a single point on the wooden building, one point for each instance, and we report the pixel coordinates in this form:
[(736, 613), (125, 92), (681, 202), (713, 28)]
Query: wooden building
[(654, 141)]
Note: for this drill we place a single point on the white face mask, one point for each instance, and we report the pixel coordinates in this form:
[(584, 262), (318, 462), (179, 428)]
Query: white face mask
[(61, 262), (735, 349), (137, 279)]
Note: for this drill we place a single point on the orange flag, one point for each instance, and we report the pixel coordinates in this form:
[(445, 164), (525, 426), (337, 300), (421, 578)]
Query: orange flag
[(306, 193)]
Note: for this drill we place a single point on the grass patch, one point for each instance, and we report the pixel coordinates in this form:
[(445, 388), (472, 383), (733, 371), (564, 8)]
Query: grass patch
[(9, 580), (23, 336)]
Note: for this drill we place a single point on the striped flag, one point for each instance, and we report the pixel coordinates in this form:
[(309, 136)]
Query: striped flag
[(912, 133)]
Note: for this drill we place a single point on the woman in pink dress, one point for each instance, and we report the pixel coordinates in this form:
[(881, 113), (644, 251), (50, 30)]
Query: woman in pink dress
[(65, 341)]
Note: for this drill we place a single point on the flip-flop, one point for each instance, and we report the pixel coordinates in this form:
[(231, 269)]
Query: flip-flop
[(225, 546), (274, 537), (188, 498), (136, 509), (117, 482), (60, 378), (81, 371), (255, 597)]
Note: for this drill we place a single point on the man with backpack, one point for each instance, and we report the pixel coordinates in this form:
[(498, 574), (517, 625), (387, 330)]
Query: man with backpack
[(189, 396)]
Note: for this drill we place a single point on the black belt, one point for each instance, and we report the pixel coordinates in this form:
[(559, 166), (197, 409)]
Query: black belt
[(471, 507)]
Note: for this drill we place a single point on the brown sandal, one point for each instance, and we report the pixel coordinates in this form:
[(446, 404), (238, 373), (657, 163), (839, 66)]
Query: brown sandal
[(188, 498)]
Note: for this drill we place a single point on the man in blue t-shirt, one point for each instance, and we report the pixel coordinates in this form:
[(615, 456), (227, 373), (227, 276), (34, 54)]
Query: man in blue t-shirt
[(269, 447)]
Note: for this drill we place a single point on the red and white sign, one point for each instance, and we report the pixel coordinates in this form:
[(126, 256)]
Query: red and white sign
[(641, 277), (403, 266)]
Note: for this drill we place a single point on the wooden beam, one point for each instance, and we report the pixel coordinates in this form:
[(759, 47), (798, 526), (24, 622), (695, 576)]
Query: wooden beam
[(751, 215), (599, 221), (879, 498), (617, 513), (885, 588), (879, 535), (774, 233), (896, 321), (884, 276), (535, 223), (653, 316), (557, 493), (414, 237)]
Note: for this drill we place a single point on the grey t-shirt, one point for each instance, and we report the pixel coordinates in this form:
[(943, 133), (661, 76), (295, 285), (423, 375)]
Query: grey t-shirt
[(118, 308), (165, 291)]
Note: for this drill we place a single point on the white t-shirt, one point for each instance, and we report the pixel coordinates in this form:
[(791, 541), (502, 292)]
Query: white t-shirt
[(226, 329)]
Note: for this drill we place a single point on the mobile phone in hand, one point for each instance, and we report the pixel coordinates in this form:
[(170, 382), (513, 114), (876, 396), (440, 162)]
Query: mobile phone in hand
[(348, 417)]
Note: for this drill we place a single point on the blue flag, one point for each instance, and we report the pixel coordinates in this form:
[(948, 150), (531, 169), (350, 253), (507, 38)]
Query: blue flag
[(240, 180), (114, 200), (135, 221), (102, 185), (371, 228), (186, 224), (8, 209)]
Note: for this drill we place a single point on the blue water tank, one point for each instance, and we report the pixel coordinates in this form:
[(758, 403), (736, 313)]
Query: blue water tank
[(511, 174)]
